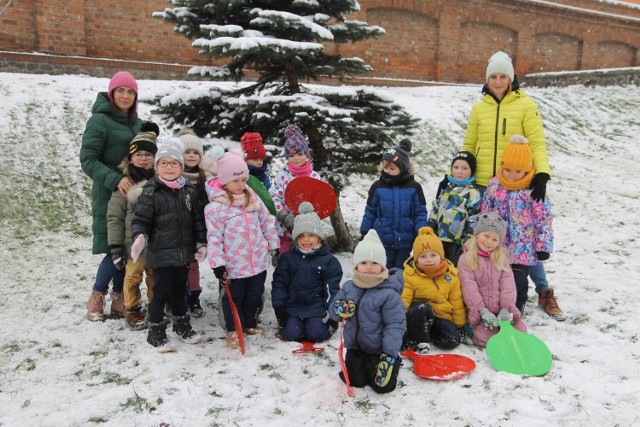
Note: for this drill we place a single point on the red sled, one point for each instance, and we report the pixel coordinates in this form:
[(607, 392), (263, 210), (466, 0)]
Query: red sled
[(440, 367), (308, 347), (317, 192)]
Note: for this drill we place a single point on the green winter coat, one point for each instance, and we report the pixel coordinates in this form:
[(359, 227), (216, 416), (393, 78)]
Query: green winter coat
[(104, 144), (491, 125)]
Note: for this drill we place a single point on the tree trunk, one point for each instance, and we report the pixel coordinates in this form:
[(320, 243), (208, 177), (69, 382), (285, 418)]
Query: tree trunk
[(344, 241)]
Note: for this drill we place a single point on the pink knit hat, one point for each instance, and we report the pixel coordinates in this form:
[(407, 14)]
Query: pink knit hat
[(231, 167), (122, 78)]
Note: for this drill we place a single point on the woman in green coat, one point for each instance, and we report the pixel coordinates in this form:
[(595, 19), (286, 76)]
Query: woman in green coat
[(113, 123)]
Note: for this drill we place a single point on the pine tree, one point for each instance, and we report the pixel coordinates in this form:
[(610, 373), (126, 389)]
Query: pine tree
[(284, 43)]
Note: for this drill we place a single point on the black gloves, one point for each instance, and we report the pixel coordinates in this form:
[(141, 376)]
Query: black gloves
[(442, 185), (118, 257), (539, 186), (542, 256), (281, 316), (220, 272), (332, 324)]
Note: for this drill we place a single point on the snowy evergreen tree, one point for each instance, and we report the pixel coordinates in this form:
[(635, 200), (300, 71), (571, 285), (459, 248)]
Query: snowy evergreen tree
[(284, 43)]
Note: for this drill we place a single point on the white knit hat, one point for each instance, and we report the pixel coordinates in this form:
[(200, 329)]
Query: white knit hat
[(190, 141), (500, 62), (173, 148), (370, 249)]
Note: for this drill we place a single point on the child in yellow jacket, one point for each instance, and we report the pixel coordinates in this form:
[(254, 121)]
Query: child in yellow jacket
[(432, 296)]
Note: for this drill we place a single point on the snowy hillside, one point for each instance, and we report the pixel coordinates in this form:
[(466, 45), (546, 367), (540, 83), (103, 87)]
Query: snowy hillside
[(57, 368)]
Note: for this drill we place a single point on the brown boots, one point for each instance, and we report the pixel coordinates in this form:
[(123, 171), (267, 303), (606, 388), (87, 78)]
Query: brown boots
[(97, 304), (547, 301)]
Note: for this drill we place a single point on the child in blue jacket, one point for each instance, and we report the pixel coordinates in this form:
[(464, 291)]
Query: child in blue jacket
[(396, 207), (375, 322)]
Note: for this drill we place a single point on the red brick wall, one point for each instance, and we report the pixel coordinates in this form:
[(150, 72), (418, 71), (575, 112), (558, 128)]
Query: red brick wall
[(443, 40)]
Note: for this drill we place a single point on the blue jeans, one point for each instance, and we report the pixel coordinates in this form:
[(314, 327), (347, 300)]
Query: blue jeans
[(107, 272), (539, 277)]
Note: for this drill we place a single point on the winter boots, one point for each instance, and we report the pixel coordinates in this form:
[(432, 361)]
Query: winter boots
[(117, 303), (232, 340), (157, 337), (547, 301), (95, 306), (135, 319), (254, 331), (182, 328), (195, 308)]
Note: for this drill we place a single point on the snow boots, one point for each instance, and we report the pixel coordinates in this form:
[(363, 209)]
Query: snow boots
[(157, 337), (95, 306), (135, 319), (182, 328), (117, 303), (547, 301), (232, 340)]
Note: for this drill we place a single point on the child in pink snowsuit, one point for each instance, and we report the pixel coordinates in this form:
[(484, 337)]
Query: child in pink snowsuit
[(488, 287)]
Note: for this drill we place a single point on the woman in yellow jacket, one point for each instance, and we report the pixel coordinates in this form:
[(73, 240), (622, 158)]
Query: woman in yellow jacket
[(432, 296), (503, 111)]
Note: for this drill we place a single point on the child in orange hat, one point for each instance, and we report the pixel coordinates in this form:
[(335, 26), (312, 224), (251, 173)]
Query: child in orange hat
[(529, 235), (432, 296)]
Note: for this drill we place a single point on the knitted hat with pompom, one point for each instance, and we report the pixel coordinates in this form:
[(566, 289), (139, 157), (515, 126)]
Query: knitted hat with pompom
[(427, 241), (307, 221), (399, 155), (252, 146)]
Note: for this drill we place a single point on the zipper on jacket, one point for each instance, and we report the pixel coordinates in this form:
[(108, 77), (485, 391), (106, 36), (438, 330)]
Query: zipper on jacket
[(356, 318), (495, 140), (180, 237)]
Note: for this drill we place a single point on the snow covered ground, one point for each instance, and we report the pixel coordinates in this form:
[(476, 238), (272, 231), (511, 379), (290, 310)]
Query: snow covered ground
[(57, 368)]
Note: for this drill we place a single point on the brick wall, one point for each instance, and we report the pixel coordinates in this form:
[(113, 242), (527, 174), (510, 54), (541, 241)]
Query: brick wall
[(426, 40)]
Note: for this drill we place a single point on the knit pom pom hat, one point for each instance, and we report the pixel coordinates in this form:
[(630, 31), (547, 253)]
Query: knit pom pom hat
[(500, 62), (191, 141), (296, 142), (145, 140), (490, 221), (307, 221), (370, 249), (122, 79), (231, 167), (518, 154), (427, 241), (252, 146), (173, 148), (399, 155)]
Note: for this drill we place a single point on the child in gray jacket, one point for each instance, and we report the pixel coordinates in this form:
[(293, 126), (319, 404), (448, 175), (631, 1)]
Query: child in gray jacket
[(375, 316)]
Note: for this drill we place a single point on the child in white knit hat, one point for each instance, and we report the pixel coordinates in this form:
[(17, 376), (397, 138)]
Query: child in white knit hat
[(306, 281), (375, 319), (168, 217), (198, 169), (240, 234)]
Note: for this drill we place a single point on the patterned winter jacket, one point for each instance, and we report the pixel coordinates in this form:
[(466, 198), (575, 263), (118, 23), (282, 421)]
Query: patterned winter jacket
[(379, 321), (172, 221), (452, 210), (487, 287), (105, 143), (278, 186), (443, 293), (490, 126), (238, 236), (528, 222), (306, 283), (396, 212)]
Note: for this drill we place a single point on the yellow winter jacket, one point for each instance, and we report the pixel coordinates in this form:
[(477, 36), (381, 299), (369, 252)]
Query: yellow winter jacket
[(443, 293), (491, 125)]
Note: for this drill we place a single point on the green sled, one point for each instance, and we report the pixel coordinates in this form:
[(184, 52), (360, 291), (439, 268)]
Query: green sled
[(258, 188), (518, 353)]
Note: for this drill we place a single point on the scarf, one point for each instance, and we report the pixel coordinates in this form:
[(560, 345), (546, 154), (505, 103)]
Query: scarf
[(434, 271), (394, 179), (368, 281), (192, 174), (484, 253), (463, 182), (520, 184), (304, 170), (138, 174), (175, 185)]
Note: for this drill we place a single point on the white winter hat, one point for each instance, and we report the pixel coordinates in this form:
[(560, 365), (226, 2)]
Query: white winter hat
[(190, 140), (370, 249), (500, 62)]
